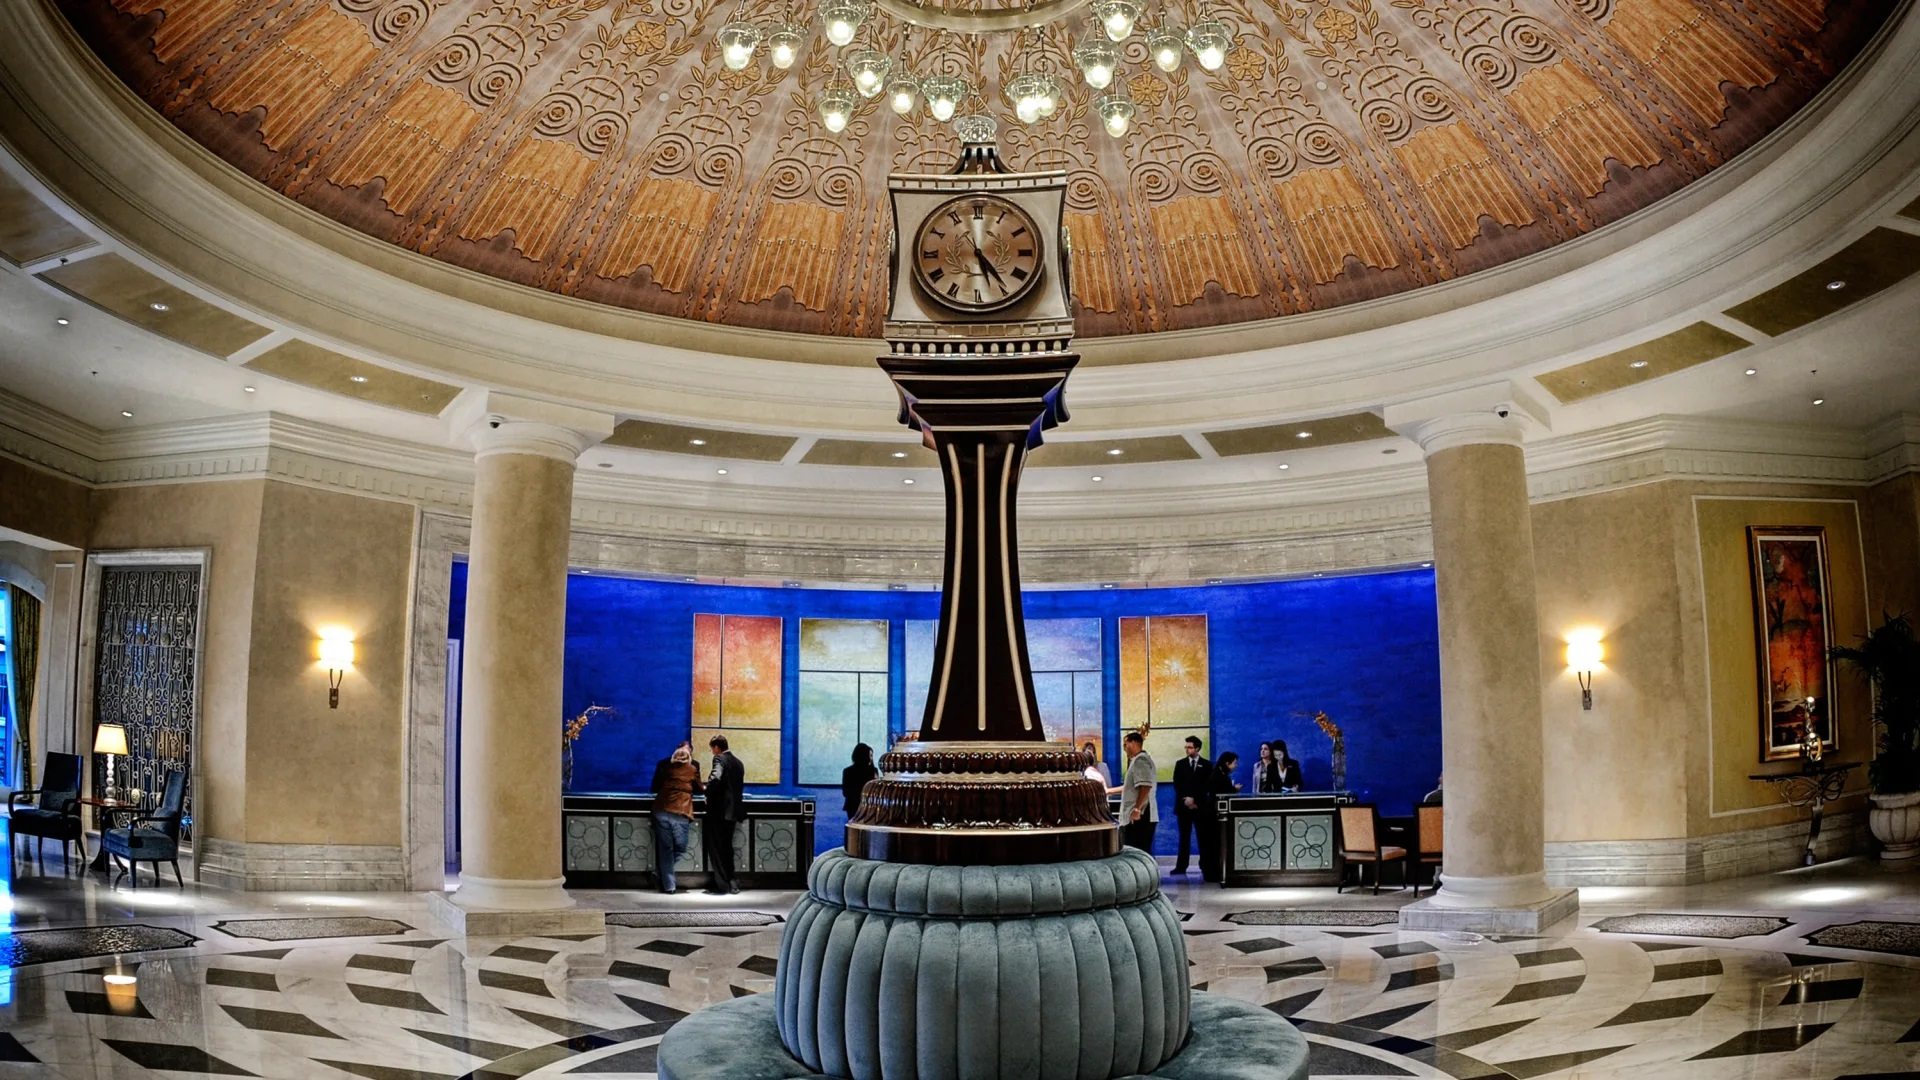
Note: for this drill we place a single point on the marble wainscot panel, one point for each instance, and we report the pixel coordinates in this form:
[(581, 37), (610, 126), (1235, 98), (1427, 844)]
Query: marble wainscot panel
[(1695, 860), (302, 867)]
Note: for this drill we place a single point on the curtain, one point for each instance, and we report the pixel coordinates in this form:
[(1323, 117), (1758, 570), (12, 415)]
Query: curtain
[(23, 650)]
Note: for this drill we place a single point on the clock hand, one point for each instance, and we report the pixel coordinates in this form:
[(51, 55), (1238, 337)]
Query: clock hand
[(986, 267)]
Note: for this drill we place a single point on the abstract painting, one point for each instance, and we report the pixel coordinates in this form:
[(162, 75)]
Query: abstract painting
[(1065, 658), (920, 637), (843, 694), (1793, 634), (736, 689), (1164, 683)]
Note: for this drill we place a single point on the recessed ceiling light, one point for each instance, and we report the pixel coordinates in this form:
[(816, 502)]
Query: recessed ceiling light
[(586, 571), (1819, 401), (605, 464), (696, 442), (689, 580), (1753, 371), (157, 306), (1215, 580), (1319, 575), (1391, 450), (1115, 452), (897, 587), (1836, 286), (1284, 465), (1097, 479), (908, 480), (1106, 584), (1425, 565), (62, 321), (1638, 364), (722, 472), (899, 453), (791, 584), (1303, 435), (126, 414), (248, 389)]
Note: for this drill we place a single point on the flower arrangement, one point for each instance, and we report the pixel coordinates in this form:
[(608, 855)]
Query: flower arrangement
[(1338, 756), (570, 732)]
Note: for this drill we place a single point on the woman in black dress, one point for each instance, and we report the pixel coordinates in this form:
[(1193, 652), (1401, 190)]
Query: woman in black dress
[(1267, 773), (854, 778)]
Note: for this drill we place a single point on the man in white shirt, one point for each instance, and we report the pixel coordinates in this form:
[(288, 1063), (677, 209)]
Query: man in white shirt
[(1139, 813)]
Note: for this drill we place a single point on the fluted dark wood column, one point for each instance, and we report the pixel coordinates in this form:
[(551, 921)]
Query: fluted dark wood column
[(981, 415)]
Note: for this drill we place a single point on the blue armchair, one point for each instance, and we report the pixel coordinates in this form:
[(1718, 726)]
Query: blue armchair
[(158, 844), (56, 810)]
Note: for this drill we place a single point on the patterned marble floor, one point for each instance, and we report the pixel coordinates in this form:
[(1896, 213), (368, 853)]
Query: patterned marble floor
[(1766, 977)]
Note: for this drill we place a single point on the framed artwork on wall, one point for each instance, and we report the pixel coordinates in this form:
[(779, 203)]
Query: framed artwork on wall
[(1164, 683), (1792, 634), (736, 690), (843, 695)]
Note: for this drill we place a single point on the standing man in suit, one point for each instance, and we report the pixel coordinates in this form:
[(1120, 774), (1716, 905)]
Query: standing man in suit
[(725, 805), (1190, 781)]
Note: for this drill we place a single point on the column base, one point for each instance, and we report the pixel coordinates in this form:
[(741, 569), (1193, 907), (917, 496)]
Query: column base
[(1529, 917), (461, 914)]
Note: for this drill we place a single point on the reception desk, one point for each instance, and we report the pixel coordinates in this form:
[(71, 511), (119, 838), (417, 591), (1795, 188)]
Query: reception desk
[(1281, 839), (608, 843)]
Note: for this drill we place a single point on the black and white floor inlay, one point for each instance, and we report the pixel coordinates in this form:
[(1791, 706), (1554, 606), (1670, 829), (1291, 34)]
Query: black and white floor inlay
[(1698, 926), (23, 947)]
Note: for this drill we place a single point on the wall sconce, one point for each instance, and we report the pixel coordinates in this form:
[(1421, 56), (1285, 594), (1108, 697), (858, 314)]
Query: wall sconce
[(336, 653), (110, 739), (1583, 655)]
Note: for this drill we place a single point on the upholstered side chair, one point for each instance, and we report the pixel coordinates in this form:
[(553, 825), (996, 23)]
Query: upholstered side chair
[(157, 844), (1360, 844), (55, 813)]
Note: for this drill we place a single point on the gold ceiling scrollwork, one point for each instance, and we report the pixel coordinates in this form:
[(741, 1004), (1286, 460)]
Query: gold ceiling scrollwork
[(1344, 150)]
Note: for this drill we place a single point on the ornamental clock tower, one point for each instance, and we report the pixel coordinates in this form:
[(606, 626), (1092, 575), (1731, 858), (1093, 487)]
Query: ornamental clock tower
[(979, 331)]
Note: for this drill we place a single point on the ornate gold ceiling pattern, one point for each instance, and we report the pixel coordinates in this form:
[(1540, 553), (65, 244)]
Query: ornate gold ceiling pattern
[(1348, 149)]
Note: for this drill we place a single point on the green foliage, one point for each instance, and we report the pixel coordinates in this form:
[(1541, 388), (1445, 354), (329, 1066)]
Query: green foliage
[(1889, 659)]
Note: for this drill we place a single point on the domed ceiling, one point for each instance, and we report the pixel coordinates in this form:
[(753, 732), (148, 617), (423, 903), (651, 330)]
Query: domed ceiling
[(1347, 149)]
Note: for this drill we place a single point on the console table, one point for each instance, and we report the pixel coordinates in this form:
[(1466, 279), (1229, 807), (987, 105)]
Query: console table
[(1813, 786), (608, 843), (1268, 840)]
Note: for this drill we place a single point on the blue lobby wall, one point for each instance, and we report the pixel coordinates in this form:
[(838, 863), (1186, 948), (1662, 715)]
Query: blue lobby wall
[(1362, 648)]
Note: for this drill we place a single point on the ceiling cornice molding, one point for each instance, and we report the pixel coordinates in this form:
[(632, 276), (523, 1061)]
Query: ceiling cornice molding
[(1805, 190), (1895, 443)]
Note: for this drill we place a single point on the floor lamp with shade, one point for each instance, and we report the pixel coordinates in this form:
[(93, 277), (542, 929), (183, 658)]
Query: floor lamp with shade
[(110, 739)]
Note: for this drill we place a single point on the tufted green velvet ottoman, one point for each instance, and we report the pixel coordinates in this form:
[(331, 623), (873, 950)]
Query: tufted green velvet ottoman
[(900, 971), (737, 1040)]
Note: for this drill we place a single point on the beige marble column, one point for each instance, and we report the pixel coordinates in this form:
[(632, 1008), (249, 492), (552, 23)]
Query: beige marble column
[(510, 688), (1494, 877)]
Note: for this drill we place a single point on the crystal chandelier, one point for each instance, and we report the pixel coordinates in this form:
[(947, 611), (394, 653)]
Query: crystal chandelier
[(941, 83)]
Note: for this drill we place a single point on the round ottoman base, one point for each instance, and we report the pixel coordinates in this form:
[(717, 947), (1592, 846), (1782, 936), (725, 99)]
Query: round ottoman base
[(1229, 1040)]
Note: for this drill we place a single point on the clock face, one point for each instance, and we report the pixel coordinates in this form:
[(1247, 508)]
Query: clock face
[(977, 253)]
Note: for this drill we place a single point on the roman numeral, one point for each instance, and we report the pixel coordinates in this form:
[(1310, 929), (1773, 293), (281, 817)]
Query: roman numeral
[(954, 215), (1026, 253), (953, 289), (1019, 273), (977, 298), (979, 211), (1019, 230), (936, 275), (930, 253)]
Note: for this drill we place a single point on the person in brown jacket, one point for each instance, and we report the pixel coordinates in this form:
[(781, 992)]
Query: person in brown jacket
[(676, 780)]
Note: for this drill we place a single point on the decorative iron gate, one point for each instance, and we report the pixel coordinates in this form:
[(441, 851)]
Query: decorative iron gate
[(144, 671)]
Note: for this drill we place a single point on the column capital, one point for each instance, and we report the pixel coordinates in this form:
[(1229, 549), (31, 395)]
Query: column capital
[(1497, 414), (503, 424)]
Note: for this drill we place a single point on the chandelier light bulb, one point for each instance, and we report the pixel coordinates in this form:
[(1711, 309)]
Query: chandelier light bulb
[(1210, 41), (842, 19), (1097, 60), (737, 42), (836, 108), (1116, 112), (1167, 45), (944, 94), (869, 68), (903, 94), (1117, 17), (784, 41), (1027, 109)]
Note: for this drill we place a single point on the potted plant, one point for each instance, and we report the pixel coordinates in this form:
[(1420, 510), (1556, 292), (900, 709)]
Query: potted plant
[(1889, 659)]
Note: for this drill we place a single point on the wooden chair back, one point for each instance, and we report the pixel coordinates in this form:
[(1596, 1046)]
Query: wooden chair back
[(1431, 826), (1359, 829)]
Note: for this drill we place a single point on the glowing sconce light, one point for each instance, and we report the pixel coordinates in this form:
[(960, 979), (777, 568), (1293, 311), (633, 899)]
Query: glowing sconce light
[(336, 653), (1583, 655)]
